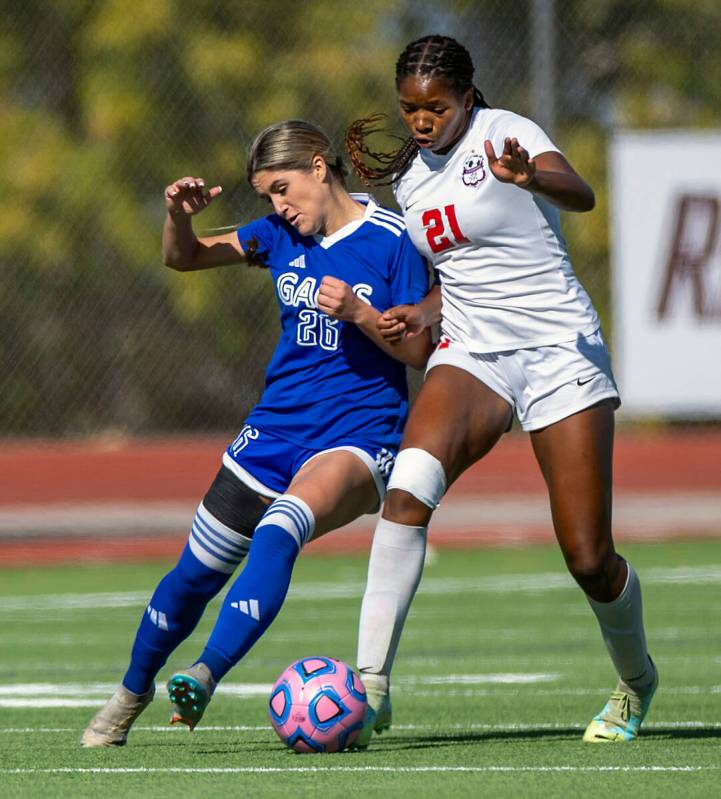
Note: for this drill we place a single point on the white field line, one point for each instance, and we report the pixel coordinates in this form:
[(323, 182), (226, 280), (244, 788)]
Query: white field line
[(366, 769), (540, 726), (329, 591), (680, 690), (74, 695), (53, 695), (503, 678), (102, 689), (22, 702)]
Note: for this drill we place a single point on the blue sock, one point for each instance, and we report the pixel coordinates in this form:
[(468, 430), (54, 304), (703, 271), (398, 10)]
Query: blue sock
[(208, 560), (256, 597)]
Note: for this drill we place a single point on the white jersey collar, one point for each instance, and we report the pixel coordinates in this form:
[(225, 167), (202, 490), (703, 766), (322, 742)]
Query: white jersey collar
[(345, 231)]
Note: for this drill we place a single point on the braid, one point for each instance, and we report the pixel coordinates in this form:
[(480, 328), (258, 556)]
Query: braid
[(436, 57), (389, 165), (442, 58)]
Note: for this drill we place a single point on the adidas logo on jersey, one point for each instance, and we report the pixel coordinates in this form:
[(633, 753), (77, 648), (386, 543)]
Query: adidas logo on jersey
[(298, 263), (250, 608), (158, 618)]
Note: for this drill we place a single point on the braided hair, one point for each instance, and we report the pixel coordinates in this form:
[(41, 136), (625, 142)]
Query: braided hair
[(437, 57)]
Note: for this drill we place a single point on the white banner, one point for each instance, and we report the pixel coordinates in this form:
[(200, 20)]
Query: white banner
[(666, 259)]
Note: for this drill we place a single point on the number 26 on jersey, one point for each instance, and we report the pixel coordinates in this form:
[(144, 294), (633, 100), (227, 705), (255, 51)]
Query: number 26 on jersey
[(442, 228)]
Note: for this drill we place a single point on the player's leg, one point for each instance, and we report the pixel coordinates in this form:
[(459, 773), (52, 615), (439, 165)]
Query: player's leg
[(455, 420), (218, 542), (329, 491), (575, 455)]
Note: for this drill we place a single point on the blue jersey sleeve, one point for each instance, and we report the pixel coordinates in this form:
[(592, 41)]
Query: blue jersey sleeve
[(260, 235), (408, 274)]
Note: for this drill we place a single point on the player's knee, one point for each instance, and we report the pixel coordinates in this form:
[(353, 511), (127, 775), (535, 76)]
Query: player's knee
[(591, 566), (234, 504), (290, 516), (415, 488), (404, 508), (215, 549)]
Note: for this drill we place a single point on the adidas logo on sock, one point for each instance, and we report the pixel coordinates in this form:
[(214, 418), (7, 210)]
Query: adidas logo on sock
[(158, 618), (250, 608), (298, 263)]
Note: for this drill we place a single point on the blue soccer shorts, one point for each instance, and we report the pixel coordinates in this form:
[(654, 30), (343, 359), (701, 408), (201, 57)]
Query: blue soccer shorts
[(267, 463)]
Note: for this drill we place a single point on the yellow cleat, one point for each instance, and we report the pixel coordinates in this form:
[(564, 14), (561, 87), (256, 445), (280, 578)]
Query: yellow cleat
[(623, 714)]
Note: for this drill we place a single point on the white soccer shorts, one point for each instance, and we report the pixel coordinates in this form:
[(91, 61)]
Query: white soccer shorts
[(542, 384)]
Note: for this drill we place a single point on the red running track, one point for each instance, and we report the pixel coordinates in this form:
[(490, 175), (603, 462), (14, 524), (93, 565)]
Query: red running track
[(129, 470), (136, 469)]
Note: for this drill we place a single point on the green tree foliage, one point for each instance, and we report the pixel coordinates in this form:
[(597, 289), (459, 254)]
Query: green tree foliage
[(109, 101), (106, 101), (624, 65)]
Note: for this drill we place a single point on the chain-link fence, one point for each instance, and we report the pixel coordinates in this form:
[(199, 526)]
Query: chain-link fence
[(107, 101)]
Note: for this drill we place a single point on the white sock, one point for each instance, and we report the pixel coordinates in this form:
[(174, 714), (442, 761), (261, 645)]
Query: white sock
[(621, 624), (394, 572)]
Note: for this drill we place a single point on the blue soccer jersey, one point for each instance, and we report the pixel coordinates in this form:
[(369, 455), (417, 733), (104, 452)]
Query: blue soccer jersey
[(327, 383)]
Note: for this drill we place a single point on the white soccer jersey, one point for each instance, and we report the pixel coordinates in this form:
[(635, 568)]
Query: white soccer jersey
[(506, 279)]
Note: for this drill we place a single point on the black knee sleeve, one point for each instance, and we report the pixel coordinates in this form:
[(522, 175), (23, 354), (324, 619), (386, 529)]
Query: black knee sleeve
[(233, 503)]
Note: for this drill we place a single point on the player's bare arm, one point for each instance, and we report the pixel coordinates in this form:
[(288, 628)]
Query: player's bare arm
[(548, 174), (336, 298), (407, 321), (182, 249)]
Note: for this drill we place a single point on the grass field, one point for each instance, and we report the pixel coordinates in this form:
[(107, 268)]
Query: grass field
[(499, 671)]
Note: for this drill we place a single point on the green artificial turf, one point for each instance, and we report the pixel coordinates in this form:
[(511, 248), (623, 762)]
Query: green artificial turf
[(500, 668)]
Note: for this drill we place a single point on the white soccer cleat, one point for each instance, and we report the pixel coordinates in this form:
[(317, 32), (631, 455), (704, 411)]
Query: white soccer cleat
[(379, 714), (111, 724)]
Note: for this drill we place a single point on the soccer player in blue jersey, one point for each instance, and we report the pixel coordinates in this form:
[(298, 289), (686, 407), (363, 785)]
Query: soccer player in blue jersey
[(315, 453)]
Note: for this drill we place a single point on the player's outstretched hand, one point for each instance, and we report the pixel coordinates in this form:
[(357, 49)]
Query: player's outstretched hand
[(336, 298), (400, 321), (189, 196), (513, 165)]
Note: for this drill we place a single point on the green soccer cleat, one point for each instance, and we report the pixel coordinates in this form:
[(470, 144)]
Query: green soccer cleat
[(190, 692), (623, 714), (111, 724), (379, 714)]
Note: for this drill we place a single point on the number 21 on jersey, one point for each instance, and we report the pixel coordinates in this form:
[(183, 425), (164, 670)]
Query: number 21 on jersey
[(437, 222)]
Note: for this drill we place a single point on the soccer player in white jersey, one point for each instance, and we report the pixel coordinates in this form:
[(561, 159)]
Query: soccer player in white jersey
[(480, 190), (315, 453)]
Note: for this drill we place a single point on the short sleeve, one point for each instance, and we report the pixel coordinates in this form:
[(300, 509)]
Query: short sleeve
[(260, 233), (530, 136), (408, 273)]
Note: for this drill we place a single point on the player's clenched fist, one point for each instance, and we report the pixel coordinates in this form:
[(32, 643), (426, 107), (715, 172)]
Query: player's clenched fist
[(189, 196), (336, 298)]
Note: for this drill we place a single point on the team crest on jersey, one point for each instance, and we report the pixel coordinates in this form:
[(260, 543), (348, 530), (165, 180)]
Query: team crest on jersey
[(473, 170)]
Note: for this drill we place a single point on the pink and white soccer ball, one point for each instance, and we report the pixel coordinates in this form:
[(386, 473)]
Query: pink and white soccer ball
[(318, 705)]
